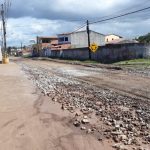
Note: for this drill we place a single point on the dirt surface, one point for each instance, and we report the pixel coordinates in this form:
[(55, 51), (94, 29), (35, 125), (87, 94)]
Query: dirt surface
[(30, 121), (51, 105), (122, 81)]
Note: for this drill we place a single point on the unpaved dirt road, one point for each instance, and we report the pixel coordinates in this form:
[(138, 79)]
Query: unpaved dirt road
[(118, 80), (31, 121)]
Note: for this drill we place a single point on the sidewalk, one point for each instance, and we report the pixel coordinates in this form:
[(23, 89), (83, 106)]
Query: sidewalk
[(16, 106)]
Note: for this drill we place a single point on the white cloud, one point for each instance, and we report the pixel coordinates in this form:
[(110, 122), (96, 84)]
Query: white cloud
[(25, 29), (32, 18)]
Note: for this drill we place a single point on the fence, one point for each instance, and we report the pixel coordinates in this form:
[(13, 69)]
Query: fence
[(105, 54)]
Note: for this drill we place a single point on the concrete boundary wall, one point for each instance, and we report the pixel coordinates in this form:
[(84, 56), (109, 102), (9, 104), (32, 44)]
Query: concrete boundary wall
[(106, 54)]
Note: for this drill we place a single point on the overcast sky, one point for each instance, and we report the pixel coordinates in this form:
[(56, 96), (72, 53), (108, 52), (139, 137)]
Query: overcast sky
[(29, 18)]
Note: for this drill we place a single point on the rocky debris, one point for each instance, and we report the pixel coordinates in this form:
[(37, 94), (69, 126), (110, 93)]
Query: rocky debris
[(78, 113), (144, 72), (83, 128), (148, 138), (119, 147), (77, 123), (89, 131), (100, 139), (126, 119), (84, 121), (139, 148)]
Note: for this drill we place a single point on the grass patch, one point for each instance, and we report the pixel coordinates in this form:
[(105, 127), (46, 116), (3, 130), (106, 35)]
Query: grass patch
[(81, 61), (26, 56), (134, 62)]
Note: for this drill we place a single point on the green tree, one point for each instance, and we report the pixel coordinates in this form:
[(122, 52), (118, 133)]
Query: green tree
[(144, 38)]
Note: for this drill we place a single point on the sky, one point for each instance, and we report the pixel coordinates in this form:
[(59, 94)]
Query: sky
[(30, 18)]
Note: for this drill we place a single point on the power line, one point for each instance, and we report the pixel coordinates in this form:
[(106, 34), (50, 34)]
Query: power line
[(79, 28), (125, 10), (144, 17), (122, 15)]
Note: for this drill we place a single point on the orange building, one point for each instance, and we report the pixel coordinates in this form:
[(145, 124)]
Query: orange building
[(47, 42)]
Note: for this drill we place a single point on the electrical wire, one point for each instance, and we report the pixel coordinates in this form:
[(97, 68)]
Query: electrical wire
[(125, 10), (79, 28), (119, 16)]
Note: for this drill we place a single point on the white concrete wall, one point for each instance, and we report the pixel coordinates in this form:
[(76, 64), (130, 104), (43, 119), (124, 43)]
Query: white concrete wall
[(80, 39)]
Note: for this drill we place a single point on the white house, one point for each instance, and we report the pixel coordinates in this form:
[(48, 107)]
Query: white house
[(112, 37), (80, 39)]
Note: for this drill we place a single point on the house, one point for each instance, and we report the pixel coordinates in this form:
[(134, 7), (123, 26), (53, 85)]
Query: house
[(79, 39), (44, 45), (26, 51), (47, 42), (112, 37), (123, 41)]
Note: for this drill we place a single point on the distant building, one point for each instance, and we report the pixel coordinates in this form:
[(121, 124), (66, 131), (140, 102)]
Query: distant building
[(122, 41), (79, 39), (112, 37), (47, 42), (26, 51), (44, 45)]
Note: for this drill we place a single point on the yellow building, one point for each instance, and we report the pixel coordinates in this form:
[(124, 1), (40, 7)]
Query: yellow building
[(112, 37)]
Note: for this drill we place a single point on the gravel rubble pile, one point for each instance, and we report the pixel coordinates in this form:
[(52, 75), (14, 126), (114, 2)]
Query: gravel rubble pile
[(144, 72), (122, 119)]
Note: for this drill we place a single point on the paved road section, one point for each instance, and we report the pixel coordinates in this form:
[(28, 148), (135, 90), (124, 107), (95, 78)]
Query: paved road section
[(30, 121)]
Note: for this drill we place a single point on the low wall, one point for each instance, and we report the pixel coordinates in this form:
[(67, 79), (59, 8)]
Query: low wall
[(106, 54), (119, 52)]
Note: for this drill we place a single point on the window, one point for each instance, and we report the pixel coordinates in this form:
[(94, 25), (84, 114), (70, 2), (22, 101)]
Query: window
[(45, 40), (66, 39), (61, 39), (112, 39)]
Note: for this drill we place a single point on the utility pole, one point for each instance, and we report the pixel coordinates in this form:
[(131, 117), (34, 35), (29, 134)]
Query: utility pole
[(38, 52), (2, 45), (4, 29), (88, 32), (21, 46)]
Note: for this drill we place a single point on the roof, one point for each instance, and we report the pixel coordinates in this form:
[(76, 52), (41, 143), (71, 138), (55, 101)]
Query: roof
[(68, 33), (122, 41), (47, 37), (115, 35)]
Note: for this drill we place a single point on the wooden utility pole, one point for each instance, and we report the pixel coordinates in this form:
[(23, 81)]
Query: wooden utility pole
[(88, 32), (38, 51), (4, 29), (21, 46)]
